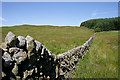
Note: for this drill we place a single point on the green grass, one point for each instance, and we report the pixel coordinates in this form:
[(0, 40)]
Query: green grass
[(100, 62), (102, 59), (56, 39)]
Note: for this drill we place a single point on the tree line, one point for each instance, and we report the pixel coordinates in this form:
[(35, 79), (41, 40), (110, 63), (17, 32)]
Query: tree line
[(106, 24)]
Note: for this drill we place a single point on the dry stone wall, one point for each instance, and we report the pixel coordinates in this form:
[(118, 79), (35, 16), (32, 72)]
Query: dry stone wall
[(25, 58)]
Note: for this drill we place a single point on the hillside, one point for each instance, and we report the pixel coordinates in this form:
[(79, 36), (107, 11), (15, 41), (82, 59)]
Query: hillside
[(106, 24), (56, 39), (100, 62)]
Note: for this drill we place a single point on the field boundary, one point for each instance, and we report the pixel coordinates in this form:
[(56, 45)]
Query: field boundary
[(26, 58)]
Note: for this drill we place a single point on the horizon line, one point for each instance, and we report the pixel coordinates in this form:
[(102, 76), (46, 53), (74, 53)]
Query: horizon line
[(37, 25)]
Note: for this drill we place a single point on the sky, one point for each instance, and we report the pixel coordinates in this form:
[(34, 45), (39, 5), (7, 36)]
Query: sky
[(55, 13)]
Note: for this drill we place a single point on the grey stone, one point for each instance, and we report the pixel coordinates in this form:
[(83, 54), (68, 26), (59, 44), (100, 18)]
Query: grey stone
[(11, 39), (63, 62), (22, 50), (25, 74), (53, 56), (61, 72), (37, 45), (64, 53), (15, 69), (66, 61), (36, 70), (5, 50), (22, 41), (3, 74), (8, 60), (17, 77), (60, 55), (14, 50), (19, 57), (41, 73), (3, 45), (48, 77), (43, 50), (30, 43), (6, 56), (30, 72), (49, 52), (11, 78), (65, 57)]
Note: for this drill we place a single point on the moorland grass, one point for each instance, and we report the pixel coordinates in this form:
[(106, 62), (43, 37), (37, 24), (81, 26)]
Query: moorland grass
[(56, 39), (100, 62), (102, 59)]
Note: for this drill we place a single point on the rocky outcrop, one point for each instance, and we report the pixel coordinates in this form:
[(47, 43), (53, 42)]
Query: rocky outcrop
[(26, 58)]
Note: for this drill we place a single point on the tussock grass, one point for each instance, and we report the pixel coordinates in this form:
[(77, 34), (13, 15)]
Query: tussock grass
[(102, 59), (100, 62), (56, 39)]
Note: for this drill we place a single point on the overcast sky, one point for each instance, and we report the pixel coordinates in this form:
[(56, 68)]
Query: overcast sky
[(55, 13)]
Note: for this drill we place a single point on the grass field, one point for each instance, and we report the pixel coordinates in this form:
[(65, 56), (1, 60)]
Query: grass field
[(100, 62), (102, 59), (56, 39)]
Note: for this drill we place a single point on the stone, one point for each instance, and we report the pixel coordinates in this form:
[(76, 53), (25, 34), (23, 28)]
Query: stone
[(3, 74), (61, 72), (43, 50), (53, 56), (15, 69), (31, 56), (44, 76), (11, 39), (49, 52), (30, 72), (42, 56), (22, 50), (30, 43), (14, 50), (59, 56), (11, 78), (3, 45), (41, 77), (82, 49), (22, 41), (40, 67), (8, 60), (17, 77), (65, 57), (48, 77), (25, 74), (41, 73), (64, 53), (76, 60), (37, 45), (5, 50), (36, 70), (38, 58), (63, 62), (19, 57), (6, 56), (63, 65)]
